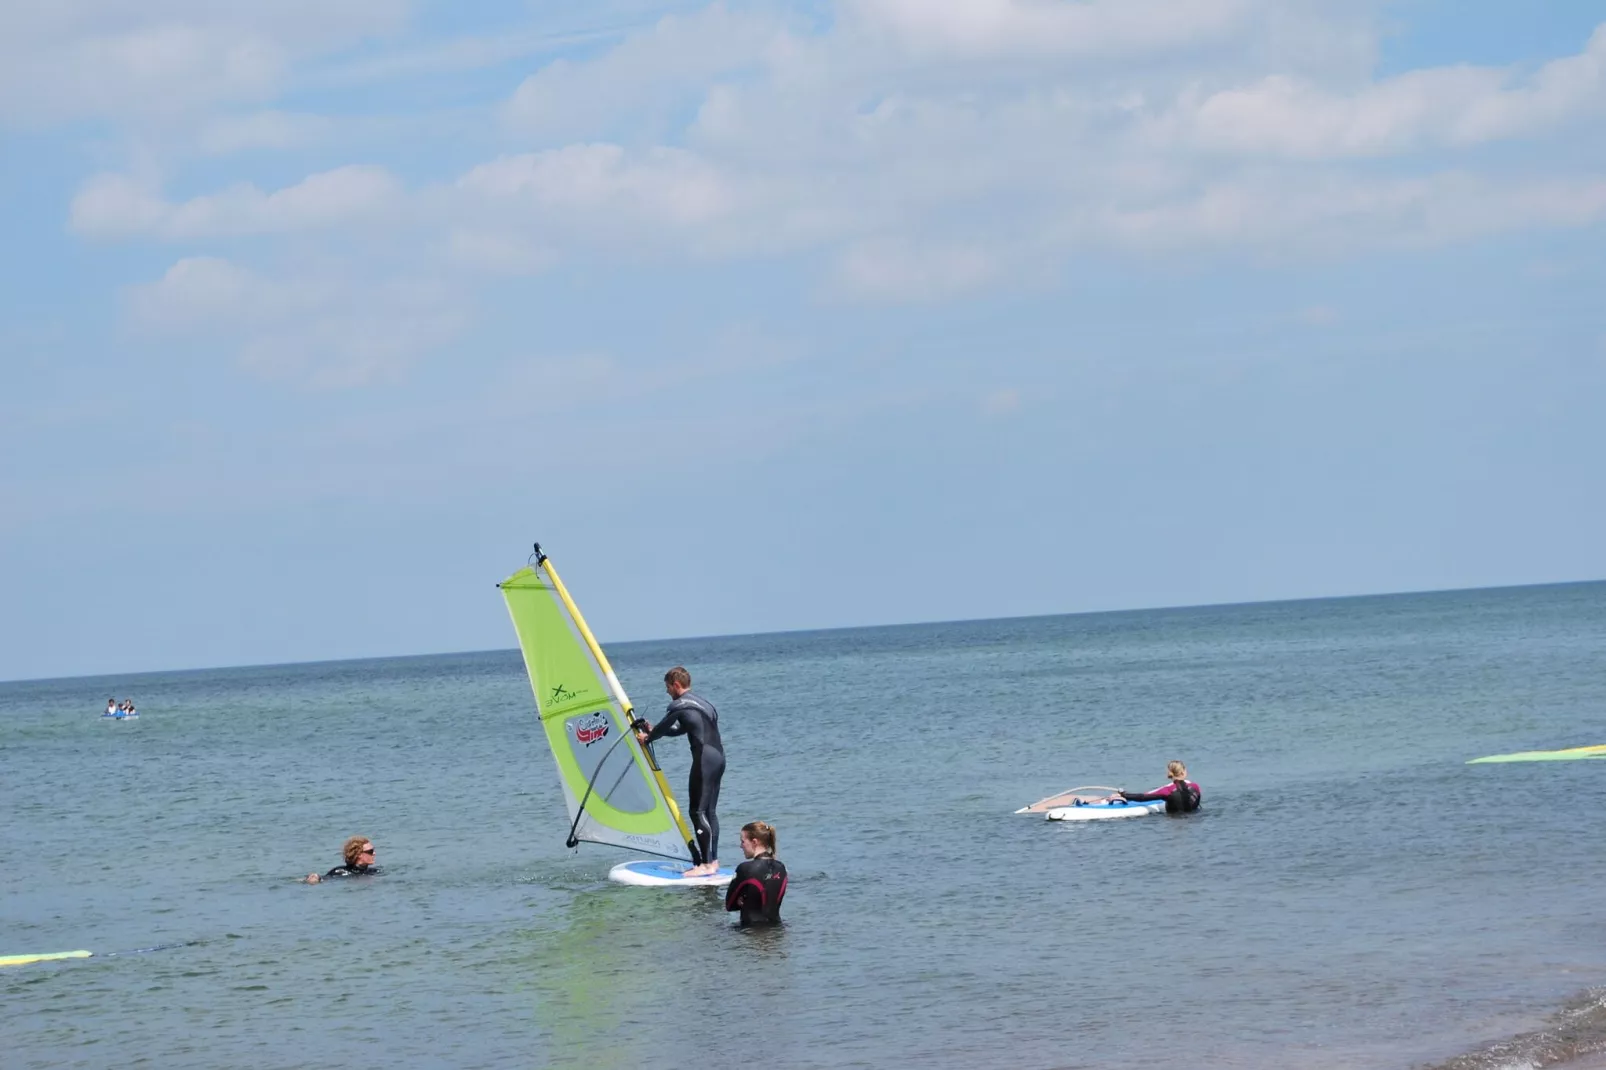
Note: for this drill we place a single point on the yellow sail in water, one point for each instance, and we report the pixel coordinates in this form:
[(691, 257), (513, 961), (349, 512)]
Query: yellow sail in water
[(615, 792)]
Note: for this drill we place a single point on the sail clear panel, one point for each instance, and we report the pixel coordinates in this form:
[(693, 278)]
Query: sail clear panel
[(598, 760)]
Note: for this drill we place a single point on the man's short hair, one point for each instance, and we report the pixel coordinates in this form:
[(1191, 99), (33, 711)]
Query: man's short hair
[(678, 675)]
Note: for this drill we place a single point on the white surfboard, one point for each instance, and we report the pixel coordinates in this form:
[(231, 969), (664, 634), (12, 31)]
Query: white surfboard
[(1104, 811), (648, 873)]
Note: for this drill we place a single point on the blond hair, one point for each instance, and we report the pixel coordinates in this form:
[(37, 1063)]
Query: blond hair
[(353, 849), (1176, 770), (763, 834)]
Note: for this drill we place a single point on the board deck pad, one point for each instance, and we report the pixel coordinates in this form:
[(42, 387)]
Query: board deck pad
[(666, 874)]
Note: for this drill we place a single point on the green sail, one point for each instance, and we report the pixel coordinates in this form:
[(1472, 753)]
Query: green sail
[(599, 761)]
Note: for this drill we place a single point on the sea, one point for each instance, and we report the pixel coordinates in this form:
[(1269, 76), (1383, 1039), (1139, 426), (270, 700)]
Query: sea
[(1352, 895)]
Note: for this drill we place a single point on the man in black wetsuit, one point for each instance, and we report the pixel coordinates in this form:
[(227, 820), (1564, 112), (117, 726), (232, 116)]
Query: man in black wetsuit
[(695, 718)]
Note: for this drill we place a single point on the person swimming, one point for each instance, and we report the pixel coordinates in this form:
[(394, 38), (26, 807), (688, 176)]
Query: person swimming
[(359, 854), (1181, 795), (760, 882)]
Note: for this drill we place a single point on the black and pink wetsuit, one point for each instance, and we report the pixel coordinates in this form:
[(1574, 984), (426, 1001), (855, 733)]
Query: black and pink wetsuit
[(1176, 802), (757, 890)]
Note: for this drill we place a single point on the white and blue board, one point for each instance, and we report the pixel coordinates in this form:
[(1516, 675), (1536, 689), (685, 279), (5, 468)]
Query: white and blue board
[(1104, 811), (649, 873)]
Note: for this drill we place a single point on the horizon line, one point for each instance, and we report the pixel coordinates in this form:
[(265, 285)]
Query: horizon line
[(818, 631)]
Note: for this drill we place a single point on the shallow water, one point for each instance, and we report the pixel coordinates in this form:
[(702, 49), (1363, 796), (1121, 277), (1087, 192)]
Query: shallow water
[(1353, 895)]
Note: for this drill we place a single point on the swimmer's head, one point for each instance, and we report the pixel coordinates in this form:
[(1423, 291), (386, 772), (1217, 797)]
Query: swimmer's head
[(356, 849), (1176, 770), (760, 837)]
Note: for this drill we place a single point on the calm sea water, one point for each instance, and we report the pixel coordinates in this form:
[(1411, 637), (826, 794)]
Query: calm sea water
[(1354, 895)]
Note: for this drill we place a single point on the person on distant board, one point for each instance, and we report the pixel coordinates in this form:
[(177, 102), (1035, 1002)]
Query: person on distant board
[(695, 718), (760, 882), (111, 708), (1181, 795), (359, 855)]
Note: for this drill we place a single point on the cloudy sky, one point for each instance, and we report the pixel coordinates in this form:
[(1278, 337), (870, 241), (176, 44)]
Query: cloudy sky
[(766, 316)]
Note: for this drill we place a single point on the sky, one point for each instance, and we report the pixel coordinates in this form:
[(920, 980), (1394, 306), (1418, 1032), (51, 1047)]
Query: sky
[(774, 316)]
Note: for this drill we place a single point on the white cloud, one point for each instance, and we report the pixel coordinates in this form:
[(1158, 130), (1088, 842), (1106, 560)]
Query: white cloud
[(892, 271), (117, 206), (498, 252), (325, 329), (655, 68), (1456, 106), (604, 189), (1003, 29), (920, 151), (70, 59), (1343, 213), (267, 129)]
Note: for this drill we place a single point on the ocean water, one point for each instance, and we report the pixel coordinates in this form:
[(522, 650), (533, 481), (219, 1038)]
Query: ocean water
[(1353, 894)]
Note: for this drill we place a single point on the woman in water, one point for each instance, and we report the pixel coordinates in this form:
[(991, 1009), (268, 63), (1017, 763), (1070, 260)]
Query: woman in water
[(1181, 795), (760, 882)]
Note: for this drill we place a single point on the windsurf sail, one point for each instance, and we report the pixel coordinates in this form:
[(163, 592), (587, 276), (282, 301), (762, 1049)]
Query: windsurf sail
[(1069, 797), (615, 791), (1570, 754)]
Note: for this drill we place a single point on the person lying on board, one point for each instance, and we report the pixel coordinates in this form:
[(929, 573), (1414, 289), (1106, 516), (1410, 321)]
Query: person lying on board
[(760, 883), (1181, 795), (695, 718), (359, 854)]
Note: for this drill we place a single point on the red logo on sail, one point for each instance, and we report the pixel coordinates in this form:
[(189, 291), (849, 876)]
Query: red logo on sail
[(591, 729)]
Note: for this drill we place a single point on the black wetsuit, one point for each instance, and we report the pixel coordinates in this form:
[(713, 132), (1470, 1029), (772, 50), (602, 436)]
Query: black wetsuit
[(757, 891), (352, 871), (697, 720), (1176, 802)]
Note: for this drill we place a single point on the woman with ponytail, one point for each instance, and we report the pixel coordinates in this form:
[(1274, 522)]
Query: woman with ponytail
[(760, 882), (1181, 795)]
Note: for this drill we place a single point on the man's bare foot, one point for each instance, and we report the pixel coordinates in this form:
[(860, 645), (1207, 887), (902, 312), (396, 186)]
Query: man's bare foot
[(704, 870)]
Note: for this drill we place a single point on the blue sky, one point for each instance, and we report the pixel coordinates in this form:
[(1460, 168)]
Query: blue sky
[(769, 316)]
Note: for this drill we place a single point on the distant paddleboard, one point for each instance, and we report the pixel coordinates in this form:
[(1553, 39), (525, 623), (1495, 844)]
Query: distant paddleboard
[(652, 874), (23, 960), (1570, 754)]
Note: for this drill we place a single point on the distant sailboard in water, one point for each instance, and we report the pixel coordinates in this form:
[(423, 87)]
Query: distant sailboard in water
[(23, 960), (615, 792), (1570, 754), (1080, 804)]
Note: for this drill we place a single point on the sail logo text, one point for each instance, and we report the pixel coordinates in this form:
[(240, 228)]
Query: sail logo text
[(591, 729), (562, 694)]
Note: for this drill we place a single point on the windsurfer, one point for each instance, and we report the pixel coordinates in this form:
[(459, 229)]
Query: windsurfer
[(760, 882), (1181, 795), (695, 718)]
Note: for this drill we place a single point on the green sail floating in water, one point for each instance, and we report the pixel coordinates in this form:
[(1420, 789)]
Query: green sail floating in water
[(1570, 754)]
